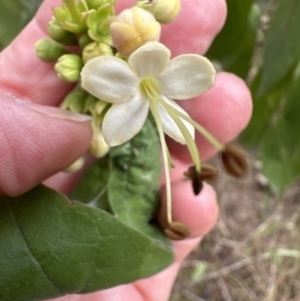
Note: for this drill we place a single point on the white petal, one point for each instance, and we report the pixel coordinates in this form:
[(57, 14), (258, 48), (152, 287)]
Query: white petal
[(187, 76), (109, 78), (169, 126), (124, 120), (149, 60)]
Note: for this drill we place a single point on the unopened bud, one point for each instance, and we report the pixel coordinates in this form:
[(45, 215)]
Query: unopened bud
[(96, 49), (164, 11), (75, 100), (234, 160), (75, 166), (61, 35), (98, 147), (177, 231), (84, 40), (95, 4), (133, 28), (48, 50), (68, 67)]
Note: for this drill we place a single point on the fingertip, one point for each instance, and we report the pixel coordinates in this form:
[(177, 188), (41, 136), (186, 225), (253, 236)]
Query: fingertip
[(205, 19), (224, 111), (199, 213)]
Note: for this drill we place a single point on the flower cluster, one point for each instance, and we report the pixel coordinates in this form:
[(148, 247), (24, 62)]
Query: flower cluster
[(123, 72)]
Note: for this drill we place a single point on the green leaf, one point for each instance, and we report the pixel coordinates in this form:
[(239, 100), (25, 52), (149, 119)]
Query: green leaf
[(266, 109), (282, 46), (280, 148), (14, 15), (234, 46), (125, 182), (51, 247)]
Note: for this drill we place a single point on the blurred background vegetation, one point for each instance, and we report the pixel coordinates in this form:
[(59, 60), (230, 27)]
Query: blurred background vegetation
[(253, 252)]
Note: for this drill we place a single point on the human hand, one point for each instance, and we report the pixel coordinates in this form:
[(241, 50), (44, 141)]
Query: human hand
[(38, 141)]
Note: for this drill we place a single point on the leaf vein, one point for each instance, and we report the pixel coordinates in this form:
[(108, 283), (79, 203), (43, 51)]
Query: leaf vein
[(29, 249)]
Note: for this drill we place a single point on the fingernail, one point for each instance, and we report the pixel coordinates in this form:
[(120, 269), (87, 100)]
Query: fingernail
[(55, 112)]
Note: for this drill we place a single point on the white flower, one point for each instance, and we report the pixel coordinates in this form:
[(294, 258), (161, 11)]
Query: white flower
[(148, 80)]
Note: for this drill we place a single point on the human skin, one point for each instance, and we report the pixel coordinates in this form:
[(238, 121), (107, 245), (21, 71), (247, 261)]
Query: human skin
[(37, 141)]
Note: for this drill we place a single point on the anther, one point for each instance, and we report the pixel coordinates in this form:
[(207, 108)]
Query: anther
[(207, 173), (177, 231), (234, 161)]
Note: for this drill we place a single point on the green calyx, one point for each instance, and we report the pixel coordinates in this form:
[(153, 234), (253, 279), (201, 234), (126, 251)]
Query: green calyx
[(98, 22), (72, 15), (61, 35)]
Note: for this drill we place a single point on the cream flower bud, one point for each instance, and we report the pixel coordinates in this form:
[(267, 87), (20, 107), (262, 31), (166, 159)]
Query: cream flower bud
[(133, 28), (165, 11), (75, 166), (98, 147)]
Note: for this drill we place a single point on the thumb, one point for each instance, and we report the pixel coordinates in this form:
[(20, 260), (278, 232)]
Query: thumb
[(36, 142)]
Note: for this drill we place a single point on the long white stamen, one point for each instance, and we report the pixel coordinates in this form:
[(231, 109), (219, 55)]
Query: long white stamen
[(148, 87), (164, 148)]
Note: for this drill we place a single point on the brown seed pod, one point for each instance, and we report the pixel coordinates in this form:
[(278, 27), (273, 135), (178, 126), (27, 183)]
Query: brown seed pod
[(177, 231), (234, 161)]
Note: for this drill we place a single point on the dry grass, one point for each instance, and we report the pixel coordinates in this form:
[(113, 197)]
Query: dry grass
[(253, 252)]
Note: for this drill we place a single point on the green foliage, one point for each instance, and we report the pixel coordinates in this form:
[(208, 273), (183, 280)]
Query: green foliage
[(14, 15), (51, 246), (282, 45), (233, 48), (274, 126)]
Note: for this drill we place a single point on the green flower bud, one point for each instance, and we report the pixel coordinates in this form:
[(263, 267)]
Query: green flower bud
[(90, 104), (75, 166), (68, 67), (96, 49), (48, 50), (98, 147), (95, 4), (61, 35), (98, 22), (75, 100), (164, 11), (72, 15), (84, 40)]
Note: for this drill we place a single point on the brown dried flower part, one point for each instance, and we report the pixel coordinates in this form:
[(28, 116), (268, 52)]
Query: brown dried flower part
[(177, 231), (207, 173), (234, 161)]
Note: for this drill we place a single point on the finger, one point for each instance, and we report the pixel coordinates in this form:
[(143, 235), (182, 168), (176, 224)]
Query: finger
[(36, 142), (224, 111), (28, 77), (22, 73)]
